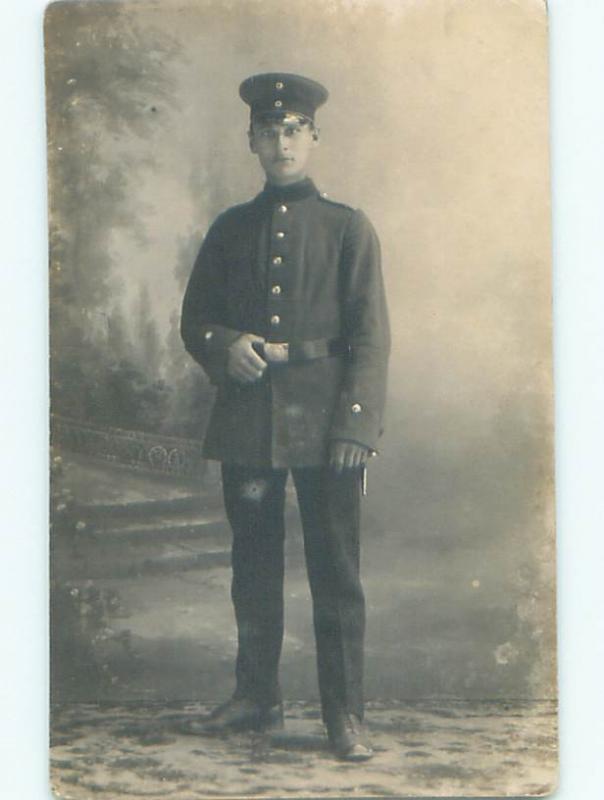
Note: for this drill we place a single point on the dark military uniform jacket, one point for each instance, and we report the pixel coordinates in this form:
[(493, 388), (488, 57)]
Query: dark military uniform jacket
[(291, 266)]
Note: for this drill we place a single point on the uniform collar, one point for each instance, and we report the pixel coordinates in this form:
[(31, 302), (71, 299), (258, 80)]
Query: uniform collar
[(295, 191)]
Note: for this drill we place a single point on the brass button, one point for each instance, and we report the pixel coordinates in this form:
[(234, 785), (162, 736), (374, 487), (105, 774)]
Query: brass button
[(275, 319), (283, 209), (208, 335), (280, 235), (277, 260), (324, 195), (278, 103), (356, 408), (279, 85), (276, 290)]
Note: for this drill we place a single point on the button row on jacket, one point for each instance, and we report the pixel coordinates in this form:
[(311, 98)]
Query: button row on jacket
[(356, 408), (276, 289)]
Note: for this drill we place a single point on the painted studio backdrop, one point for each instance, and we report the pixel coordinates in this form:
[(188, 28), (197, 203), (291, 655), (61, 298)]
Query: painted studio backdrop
[(437, 127)]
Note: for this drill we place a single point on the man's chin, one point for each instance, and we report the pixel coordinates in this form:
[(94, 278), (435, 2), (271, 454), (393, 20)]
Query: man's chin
[(285, 174)]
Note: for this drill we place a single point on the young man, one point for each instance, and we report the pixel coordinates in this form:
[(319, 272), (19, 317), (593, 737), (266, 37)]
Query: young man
[(285, 311)]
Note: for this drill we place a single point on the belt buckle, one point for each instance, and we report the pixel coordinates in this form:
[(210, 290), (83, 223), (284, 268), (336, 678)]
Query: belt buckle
[(276, 352)]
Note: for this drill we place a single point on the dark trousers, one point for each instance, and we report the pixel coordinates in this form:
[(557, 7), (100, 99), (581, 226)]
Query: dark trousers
[(330, 511)]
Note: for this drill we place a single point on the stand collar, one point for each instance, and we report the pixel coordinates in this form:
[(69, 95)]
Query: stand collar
[(294, 191)]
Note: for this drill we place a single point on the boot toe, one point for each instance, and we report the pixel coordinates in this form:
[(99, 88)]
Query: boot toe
[(349, 739)]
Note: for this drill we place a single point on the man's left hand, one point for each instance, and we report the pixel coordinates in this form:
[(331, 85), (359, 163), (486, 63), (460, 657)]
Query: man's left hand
[(347, 455)]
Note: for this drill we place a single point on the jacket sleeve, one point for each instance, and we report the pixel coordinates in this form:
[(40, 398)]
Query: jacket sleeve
[(204, 310), (359, 412)]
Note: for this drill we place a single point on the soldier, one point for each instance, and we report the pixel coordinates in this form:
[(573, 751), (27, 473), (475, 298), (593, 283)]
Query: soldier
[(285, 311)]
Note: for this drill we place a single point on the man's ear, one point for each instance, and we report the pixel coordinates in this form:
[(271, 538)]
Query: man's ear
[(251, 141), (315, 136)]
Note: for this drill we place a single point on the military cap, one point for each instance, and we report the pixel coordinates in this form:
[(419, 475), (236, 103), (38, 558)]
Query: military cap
[(279, 93)]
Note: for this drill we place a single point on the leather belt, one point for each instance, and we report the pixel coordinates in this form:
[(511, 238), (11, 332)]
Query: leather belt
[(298, 352)]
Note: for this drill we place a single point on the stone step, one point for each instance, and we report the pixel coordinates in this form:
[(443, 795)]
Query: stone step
[(163, 529), (149, 508), (86, 564), (174, 562), (186, 523)]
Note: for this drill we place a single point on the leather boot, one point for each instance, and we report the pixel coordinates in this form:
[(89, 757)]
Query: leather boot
[(238, 714), (348, 738)]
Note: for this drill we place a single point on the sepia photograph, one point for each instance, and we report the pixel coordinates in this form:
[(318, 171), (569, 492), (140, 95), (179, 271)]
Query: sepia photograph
[(302, 479)]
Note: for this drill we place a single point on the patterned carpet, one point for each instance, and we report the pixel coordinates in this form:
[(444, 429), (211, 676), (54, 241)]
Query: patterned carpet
[(423, 749)]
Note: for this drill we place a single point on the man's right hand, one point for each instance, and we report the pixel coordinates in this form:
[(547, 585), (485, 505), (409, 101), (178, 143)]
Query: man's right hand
[(244, 364)]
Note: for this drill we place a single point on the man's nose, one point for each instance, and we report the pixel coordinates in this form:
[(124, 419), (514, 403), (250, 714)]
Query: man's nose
[(282, 143)]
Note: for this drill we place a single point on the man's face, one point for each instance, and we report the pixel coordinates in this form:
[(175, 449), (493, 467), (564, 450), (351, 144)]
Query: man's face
[(283, 148)]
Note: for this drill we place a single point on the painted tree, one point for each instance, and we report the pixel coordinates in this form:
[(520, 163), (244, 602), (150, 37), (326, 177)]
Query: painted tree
[(108, 91)]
